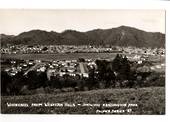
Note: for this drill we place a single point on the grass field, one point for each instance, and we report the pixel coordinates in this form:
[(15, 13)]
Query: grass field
[(60, 56), (71, 56), (149, 100)]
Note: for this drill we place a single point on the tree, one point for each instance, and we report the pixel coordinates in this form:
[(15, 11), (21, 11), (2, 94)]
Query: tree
[(121, 65), (105, 73), (32, 79), (5, 83), (45, 49), (18, 81), (81, 60), (116, 64)]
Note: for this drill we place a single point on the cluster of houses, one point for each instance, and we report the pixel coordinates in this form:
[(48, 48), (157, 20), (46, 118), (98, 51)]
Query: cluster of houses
[(25, 49), (76, 69), (144, 51), (17, 66), (73, 68)]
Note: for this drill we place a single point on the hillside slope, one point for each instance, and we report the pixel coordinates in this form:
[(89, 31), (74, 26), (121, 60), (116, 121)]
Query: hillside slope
[(149, 100)]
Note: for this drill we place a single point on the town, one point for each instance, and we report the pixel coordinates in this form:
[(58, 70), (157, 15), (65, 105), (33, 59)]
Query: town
[(124, 67), (40, 49), (77, 67), (70, 67)]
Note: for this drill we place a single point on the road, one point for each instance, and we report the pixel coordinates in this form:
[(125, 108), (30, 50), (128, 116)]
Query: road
[(33, 68), (82, 70)]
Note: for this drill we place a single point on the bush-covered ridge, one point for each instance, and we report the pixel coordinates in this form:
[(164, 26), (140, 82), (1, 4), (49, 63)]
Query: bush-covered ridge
[(121, 36)]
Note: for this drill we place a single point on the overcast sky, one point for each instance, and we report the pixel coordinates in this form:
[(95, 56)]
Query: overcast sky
[(16, 21)]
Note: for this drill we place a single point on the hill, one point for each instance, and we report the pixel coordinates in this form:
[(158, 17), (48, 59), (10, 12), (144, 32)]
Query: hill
[(120, 36), (149, 100)]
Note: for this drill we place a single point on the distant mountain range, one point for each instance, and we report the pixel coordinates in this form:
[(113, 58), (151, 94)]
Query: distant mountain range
[(120, 36)]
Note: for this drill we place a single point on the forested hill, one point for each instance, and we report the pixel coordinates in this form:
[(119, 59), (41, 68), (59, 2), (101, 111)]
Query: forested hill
[(120, 36)]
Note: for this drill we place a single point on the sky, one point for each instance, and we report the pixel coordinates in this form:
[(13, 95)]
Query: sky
[(15, 21)]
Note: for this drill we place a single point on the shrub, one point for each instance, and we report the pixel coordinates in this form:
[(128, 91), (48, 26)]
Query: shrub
[(69, 89), (40, 90)]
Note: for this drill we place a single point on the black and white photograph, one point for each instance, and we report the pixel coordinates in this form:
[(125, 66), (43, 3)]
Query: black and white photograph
[(83, 61)]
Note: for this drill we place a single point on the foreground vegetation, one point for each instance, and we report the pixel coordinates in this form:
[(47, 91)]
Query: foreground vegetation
[(149, 100)]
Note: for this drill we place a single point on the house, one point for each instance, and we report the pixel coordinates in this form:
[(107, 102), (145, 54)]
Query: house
[(50, 72)]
